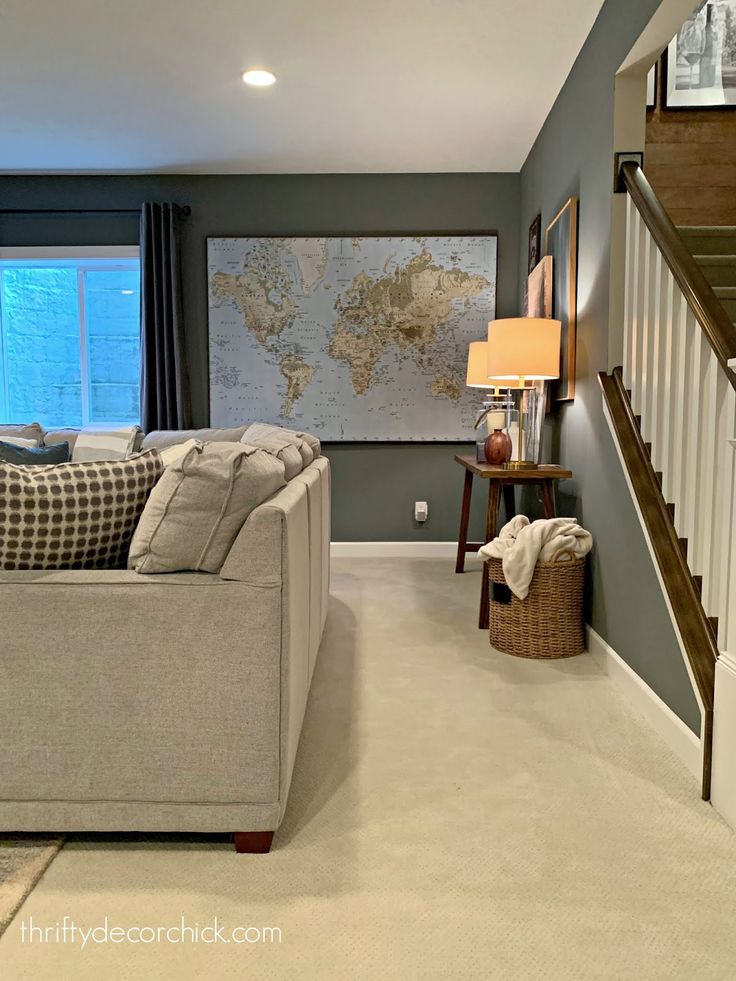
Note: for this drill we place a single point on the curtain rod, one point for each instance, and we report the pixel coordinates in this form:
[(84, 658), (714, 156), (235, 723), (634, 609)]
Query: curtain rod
[(185, 210)]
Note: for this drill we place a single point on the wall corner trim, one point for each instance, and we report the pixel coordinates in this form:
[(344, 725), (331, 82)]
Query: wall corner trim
[(395, 550), (644, 701)]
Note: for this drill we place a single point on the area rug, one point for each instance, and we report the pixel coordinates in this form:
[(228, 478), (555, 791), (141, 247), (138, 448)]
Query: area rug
[(23, 860)]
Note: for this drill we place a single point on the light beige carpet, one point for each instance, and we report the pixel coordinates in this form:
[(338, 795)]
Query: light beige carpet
[(23, 860), (455, 814)]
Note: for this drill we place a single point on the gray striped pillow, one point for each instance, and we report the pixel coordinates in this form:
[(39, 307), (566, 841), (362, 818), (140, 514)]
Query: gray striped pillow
[(103, 443)]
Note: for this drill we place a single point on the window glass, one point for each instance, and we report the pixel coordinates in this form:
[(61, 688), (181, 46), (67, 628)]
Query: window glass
[(69, 341)]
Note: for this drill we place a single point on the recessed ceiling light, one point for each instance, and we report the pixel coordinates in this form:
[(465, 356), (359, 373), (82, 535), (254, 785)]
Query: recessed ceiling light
[(259, 77), (127, 292)]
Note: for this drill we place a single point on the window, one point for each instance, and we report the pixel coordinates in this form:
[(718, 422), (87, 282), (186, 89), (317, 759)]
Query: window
[(69, 336)]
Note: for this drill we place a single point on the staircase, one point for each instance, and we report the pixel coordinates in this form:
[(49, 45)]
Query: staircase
[(671, 409), (714, 250)]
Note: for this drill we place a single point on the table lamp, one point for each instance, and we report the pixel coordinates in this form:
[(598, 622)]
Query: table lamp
[(523, 349), (497, 404)]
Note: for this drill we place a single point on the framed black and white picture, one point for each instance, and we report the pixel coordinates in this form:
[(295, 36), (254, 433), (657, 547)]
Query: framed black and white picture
[(700, 63), (535, 243)]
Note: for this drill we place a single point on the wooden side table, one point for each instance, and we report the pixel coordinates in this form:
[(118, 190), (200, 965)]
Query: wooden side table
[(499, 479)]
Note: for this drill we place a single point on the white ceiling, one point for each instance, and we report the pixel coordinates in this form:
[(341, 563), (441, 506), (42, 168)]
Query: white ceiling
[(378, 86)]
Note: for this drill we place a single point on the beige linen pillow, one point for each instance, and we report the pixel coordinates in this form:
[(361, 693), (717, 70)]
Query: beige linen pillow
[(98, 442), (173, 454), (199, 505)]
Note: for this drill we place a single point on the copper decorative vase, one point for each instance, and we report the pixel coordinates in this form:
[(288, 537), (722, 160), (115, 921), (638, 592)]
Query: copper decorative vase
[(498, 447)]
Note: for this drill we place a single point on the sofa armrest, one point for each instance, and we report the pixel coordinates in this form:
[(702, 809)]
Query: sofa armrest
[(257, 552)]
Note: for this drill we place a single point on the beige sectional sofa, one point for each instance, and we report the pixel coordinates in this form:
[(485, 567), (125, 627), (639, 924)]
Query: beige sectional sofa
[(170, 702)]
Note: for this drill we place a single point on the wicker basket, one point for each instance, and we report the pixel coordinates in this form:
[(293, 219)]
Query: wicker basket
[(549, 622)]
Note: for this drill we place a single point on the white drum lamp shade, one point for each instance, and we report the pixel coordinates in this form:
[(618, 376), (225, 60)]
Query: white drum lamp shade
[(477, 375), (523, 348)]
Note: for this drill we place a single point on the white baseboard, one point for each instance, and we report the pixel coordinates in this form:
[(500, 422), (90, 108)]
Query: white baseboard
[(681, 740), (395, 550)]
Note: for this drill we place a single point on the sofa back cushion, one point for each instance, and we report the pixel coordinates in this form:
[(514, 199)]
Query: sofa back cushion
[(74, 515), (68, 436), (27, 454), (198, 507), (160, 439)]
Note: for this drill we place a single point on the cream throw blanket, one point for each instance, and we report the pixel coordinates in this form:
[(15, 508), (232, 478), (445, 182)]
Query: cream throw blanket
[(521, 545)]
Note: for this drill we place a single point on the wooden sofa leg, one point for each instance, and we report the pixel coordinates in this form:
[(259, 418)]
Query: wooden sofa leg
[(253, 842)]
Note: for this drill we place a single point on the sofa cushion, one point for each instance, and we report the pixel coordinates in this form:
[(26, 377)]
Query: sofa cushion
[(11, 451), (198, 507), (161, 438), (73, 515), (102, 442), (32, 430), (289, 447), (54, 436)]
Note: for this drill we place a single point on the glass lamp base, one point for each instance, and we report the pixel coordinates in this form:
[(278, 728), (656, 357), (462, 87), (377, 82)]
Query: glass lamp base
[(519, 465)]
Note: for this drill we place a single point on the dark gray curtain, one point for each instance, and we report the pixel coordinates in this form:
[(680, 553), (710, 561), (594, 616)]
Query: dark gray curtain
[(165, 397)]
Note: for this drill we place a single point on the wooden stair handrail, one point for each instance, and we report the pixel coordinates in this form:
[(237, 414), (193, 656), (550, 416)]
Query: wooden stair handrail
[(692, 622), (696, 289)]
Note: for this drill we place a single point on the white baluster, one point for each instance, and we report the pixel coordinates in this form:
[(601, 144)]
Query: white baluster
[(675, 475), (703, 460), (651, 387), (631, 362), (638, 371), (712, 489), (667, 395), (723, 531), (691, 394), (727, 619), (632, 218)]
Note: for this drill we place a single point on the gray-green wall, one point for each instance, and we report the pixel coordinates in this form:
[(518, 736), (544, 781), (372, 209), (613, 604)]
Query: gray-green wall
[(375, 485), (573, 155)]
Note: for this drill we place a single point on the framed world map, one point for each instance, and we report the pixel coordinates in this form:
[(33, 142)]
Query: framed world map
[(351, 339)]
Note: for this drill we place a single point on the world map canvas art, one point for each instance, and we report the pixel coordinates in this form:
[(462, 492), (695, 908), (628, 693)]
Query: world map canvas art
[(351, 339)]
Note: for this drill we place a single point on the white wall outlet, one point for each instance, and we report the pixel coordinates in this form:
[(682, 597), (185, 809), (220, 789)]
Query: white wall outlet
[(421, 511)]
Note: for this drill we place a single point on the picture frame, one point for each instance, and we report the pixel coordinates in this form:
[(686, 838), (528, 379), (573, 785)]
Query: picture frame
[(699, 64), (539, 289), (652, 81), (298, 378), (561, 243), (535, 243)]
